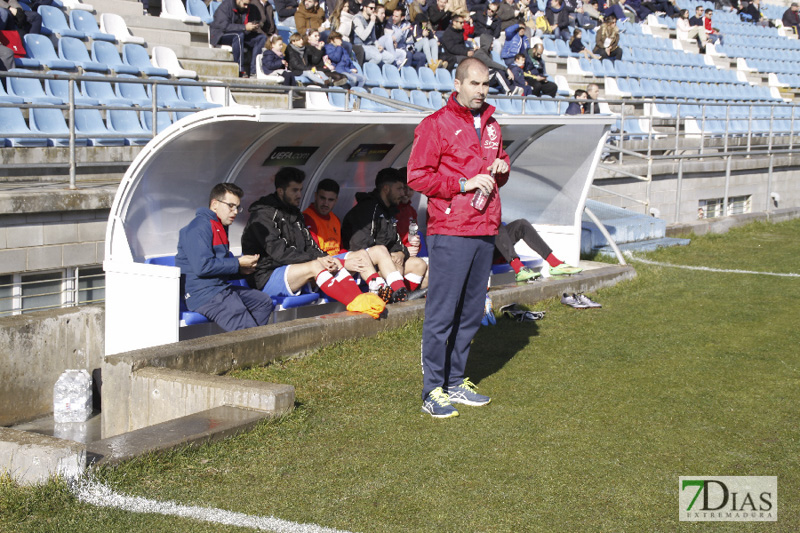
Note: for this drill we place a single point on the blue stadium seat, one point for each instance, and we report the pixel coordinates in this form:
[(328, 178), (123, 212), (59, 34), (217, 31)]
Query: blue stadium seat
[(50, 121), (373, 74), (54, 22), (5, 98), (105, 52), (562, 49), (163, 120), (30, 89), (410, 78), (85, 22), (90, 122), (40, 48), (126, 122), (420, 98), (391, 76), (72, 49), (104, 92), (135, 93), (437, 101), (427, 78), (337, 98), (376, 106), (445, 80), (60, 88), (608, 67), (13, 123), (166, 96), (198, 8), (195, 95), (400, 95), (136, 55)]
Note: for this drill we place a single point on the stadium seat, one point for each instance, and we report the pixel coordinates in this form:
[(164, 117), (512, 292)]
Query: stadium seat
[(116, 26), (436, 99), (104, 93), (445, 80), (337, 99), (410, 78), (89, 122), (260, 75), (319, 100), (377, 106), (105, 52), (420, 98), (126, 122), (198, 8), (220, 95), (136, 55), (401, 96), (164, 57), (40, 48), (166, 96), (373, 74), (391, 76), (427, 79), (71, 49), (174, 9), (54, 21), (77, 4), (13, 123), (30, 89), (195, 95), (60, 89), (135, 93), (85, 22), (163, 120), (50, 121), (5, 98)]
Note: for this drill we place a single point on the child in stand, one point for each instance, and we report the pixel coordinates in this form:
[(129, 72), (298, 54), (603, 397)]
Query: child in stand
[(273, 62), (577, 47), (520, 86)]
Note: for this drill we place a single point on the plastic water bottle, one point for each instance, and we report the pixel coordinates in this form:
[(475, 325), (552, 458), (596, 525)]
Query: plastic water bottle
[(413, 227), (72, 397), (480, 199)]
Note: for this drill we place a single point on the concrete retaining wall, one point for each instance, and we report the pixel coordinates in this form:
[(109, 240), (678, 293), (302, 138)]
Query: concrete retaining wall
[(30, 458), (36, 348)]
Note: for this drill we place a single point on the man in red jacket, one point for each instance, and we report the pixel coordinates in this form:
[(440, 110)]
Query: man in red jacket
[(457, 151)]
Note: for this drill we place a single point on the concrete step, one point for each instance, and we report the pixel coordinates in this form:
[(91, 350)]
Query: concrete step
[(210, 425), (159, 23), (158, 37), (123, 8), (212, 69)]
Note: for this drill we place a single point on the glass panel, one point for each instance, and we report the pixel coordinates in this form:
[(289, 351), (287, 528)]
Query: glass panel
[(91, 284), (6, 294), (41, 290)]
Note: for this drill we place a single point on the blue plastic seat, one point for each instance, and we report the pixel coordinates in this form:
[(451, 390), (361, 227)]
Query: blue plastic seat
[(85, 22), (6, 98), (29, 89), (13, 123), (437, 101), (90, 122), (166, 96), (445, 80), (420, 98), (163, 120), (563, 50), (410, 78), (40, 48), (60, 89), (549, 106), (106, 53), (51, 121), (104, 93), (135, 93), (391, 76), (373, 74), (72, 49), (195, 95), (376, 106), (427, 79), (126, 122), (400, 95), (198, 8), (54, 22), (533, 106), (136, 55), (337, 98), (608, 67)]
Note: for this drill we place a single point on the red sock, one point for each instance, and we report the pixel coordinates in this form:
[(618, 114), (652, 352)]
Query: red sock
[(372, 278), (516, 264), (341, 288), (553, 261), (413, 281), (395, 281)]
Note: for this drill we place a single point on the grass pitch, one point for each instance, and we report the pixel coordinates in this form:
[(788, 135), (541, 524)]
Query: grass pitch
[(595, 414)]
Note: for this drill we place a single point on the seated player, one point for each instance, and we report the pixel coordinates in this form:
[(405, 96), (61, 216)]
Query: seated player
[(289, 257), (204, 259), (326, 230), (521, 229), (372, 222)]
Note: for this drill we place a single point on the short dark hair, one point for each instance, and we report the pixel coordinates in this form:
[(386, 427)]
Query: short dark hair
[(519, 56), (709, 11), (580, 92), (288, 175), (387, 176), (334, 35), (328, 185), (220, 189)]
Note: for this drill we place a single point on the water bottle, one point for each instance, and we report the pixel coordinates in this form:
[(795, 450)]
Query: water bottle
[(72, 397), (413, 228), (480, 199)]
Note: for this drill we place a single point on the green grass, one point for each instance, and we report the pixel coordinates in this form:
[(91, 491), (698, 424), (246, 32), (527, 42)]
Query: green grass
[(595, 414)]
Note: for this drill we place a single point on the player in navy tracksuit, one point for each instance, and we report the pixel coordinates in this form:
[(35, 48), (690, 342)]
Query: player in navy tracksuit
[(204, 259)]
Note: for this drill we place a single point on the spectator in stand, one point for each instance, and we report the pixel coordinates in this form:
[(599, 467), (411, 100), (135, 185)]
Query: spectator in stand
[(711, 32), (697, 32), (576, 45), (286, 10), (536, 75), (400, 31), (274, 62), (342, 22), (380, 20), (558, 17), (302, 57), (577, 16), (341, 60), (375, 51), (455, 49), (499, 74), (418, 10), (438, 16), (13, 17), (425, 40), (667, 7), (309, 16), (509, 14), (208, 267), (516, 43), (520, 86), (371, 223), (261, 11), (326, 230), (617, 9), (289, 259), (486, 21), (791, 19), (230, 27), (578, 108), (458, 7), (607, 43), (639, 8), (475, 6), (593, 92), (521, 230), (697, 19), (751, 12)]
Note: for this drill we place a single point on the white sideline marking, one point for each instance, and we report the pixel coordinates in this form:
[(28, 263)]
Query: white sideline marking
[(630, 255), (92, 492)]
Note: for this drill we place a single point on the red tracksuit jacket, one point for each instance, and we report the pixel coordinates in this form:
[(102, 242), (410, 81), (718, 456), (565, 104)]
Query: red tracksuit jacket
[(446, 149)]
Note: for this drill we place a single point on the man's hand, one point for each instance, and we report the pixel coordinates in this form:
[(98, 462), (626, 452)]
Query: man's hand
[(251, 26), (470, 53), (331, 263), (483, 182), (510, 74), (398, 258), (358, 262), (498, 166), (247, 263), (413, 245)]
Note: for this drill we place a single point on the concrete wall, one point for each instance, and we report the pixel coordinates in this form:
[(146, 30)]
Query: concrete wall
[(36, 348)]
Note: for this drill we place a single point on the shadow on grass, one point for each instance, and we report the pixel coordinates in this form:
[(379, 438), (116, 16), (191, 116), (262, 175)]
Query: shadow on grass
[(494, 346)]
